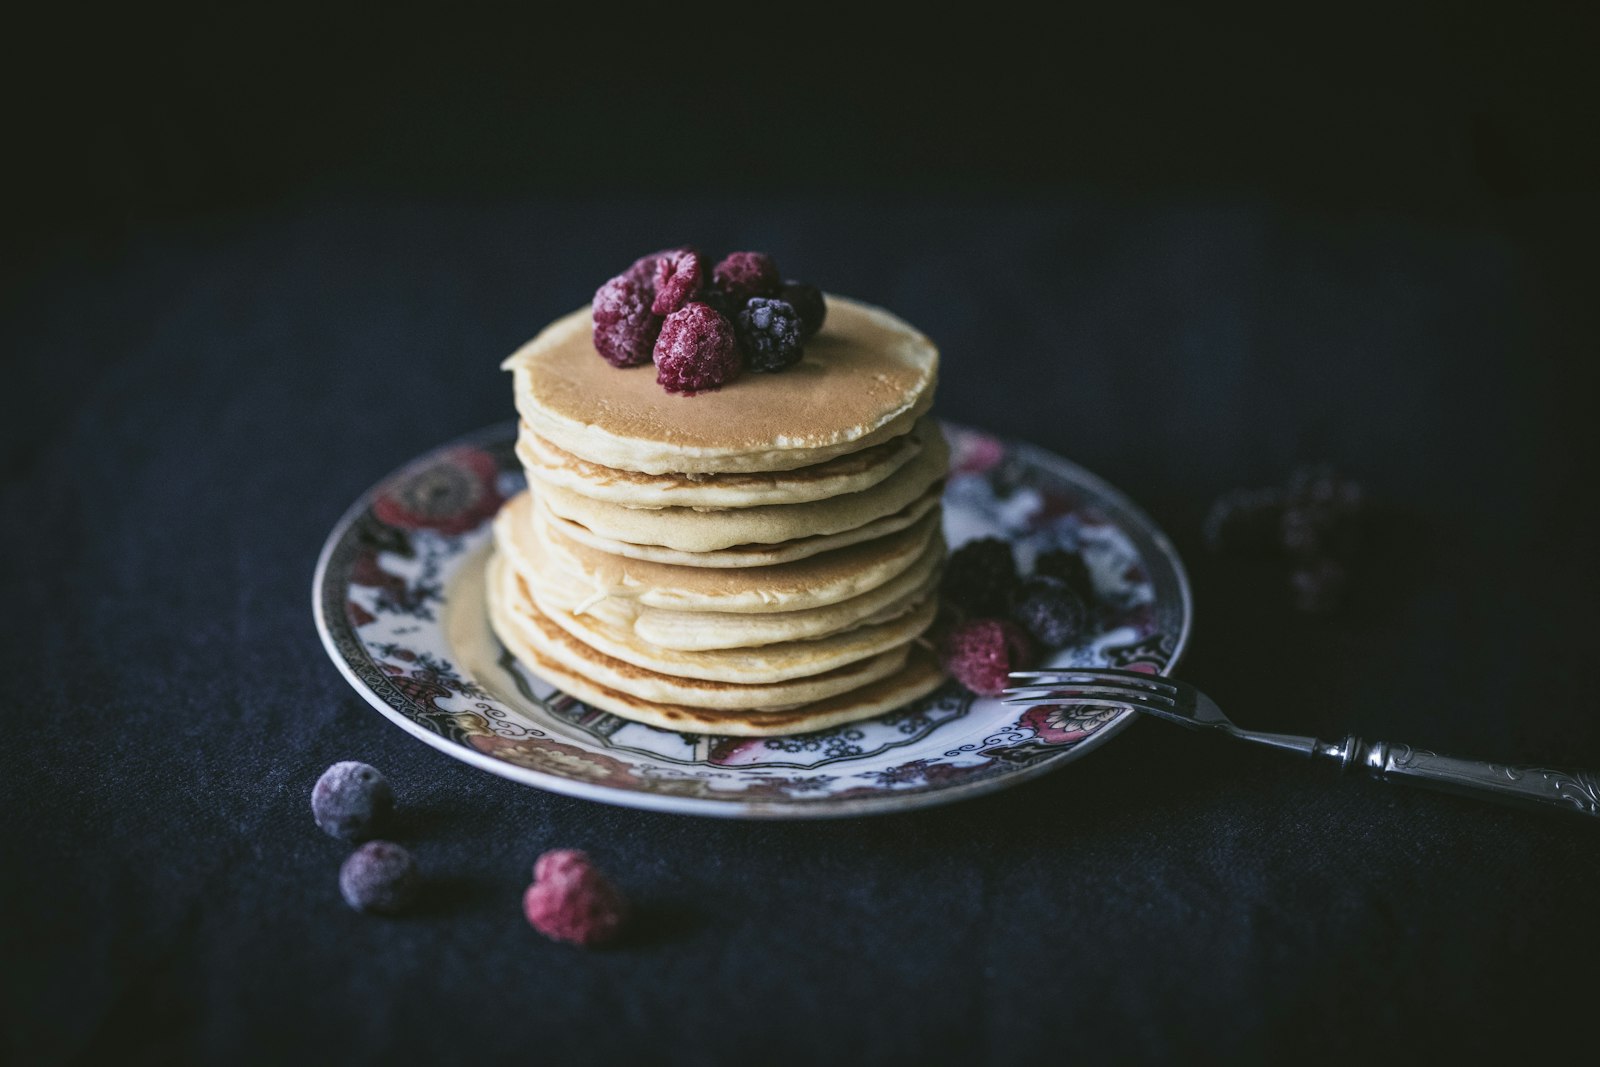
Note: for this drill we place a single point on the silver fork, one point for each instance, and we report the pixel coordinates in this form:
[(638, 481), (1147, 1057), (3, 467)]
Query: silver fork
[(1179, 702)]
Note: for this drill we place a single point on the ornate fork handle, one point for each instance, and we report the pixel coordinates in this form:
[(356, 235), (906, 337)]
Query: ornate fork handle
[(1181, 703), (1537, 787)]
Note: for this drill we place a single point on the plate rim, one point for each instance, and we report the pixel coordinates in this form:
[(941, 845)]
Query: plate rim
[(734, 808)]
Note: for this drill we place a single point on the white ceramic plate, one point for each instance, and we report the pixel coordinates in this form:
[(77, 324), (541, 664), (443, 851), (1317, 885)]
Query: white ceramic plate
[(398, 598)]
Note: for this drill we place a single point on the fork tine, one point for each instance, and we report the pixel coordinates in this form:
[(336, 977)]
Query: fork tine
[(1095, 701), (1109, 675), (1120, 672), (1066, 692), (1108, 697), (1159, 711)]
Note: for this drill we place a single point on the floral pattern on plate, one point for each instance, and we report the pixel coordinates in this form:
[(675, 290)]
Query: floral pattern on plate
[(399, 602)]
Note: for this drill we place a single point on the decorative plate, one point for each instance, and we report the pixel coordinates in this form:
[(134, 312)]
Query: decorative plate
[(399, 601)]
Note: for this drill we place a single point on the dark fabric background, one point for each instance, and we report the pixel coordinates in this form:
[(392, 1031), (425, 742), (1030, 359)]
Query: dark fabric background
[(213, 345)]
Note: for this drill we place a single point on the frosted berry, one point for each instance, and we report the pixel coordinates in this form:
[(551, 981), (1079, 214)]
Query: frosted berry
[(981, 654), (570, 900), (770, 332), (352, 801), (719, 302), (1318, 586), (380, 876), (1325, 515), (1322, 485), (1246, 522), (1312, 531), (643, 269), (678, 276), (742, 275), (1066, 566), (697, 350), (1301, 531), (625, 329), (980, 577), (1050, 611), (808, 303)]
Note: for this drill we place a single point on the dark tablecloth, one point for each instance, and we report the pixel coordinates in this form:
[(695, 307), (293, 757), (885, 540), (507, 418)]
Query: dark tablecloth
[(190, 411)]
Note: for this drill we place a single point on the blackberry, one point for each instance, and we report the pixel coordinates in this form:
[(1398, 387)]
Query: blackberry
[(982, 653), (678, 276), (1301, 531), (742, 275), (1066, 566), (808, 303), (1050, 611), (352, 801), (1322, 485), (770, 332), (696, 350), (719, 302), (980, 577), (625, 329), (380, 876), (1325, 515)]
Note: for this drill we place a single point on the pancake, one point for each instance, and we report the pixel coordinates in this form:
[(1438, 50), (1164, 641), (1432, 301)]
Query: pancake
[(864, 379), (758, 664), (919, 677), (689, 530), (850, 473), (693, 631), (808, 583), (743, 555), (696, 631), (519, 617)]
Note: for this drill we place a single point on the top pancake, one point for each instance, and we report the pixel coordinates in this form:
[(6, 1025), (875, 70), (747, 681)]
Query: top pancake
[(850, 473), (864, 380)]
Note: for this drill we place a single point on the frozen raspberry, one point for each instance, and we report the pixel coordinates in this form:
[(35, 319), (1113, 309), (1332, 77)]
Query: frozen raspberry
[(742, 275), (643, 269), (981, 653), (697, 350), (570, 900), (1068, 567), (1050, 611), (678, 276), (770, 333), (807, 301), (980, 577), (1245, 522), (1318, 586), (352, 801), (625, 329), (380, 876)]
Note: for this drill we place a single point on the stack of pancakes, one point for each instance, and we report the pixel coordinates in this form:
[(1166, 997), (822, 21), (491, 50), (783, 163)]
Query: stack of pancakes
[(760, 559)]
